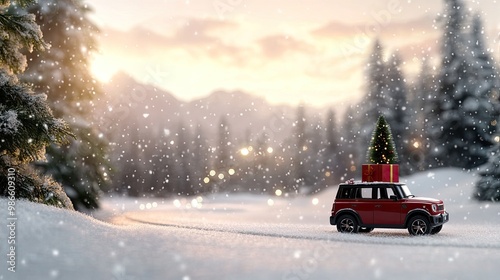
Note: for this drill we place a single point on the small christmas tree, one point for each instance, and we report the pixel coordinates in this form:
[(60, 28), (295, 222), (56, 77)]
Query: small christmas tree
[(382, 149)]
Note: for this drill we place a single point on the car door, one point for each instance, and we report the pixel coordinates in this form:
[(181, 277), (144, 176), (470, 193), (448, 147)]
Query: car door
[(386, 212), (363, 204)]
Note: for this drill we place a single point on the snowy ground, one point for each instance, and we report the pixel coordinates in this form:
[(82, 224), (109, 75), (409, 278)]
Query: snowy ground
[(251, 237)]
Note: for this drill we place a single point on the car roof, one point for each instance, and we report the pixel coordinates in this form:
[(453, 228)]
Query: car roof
[(369, 184)]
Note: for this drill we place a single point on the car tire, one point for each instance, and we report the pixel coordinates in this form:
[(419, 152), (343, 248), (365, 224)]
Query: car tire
[(419, 225), (347, 224), (436, 229), (365, 229)]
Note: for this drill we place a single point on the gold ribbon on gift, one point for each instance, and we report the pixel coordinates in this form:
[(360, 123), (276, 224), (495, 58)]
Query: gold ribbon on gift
[(369, 173), (391, 173)]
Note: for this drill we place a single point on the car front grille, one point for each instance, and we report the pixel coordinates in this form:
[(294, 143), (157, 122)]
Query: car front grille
[(441, 207)]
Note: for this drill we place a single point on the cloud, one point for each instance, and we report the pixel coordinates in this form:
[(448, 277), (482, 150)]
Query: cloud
[(335, 30), (194, 37), (352, 40), (193, 32), (196, 32), (334, 49), (276, 46), (223, 42), (137, 41)]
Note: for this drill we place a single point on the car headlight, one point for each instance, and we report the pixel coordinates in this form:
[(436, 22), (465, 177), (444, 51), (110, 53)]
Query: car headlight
[(434, 207)]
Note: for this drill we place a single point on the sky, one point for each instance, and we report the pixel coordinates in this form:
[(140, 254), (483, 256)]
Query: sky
[(288, 51)]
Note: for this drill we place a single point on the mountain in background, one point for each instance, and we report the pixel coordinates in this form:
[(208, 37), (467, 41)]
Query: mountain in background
[(129, 107)]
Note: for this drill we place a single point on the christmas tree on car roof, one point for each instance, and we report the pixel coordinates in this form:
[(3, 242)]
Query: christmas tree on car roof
[(382, 149), (381, 155)]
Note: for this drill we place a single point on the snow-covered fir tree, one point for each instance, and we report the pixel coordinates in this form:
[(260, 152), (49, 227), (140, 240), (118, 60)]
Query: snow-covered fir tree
[(27, 124), (300, 174), (183, 157), (223, 159), (350, 142), (261, 165), (397, 112), (200, 163), (315, 139), (63, 74), (331, 151), (461, 131), (488, 186), (484, 79), (422, 113), (131, 166)]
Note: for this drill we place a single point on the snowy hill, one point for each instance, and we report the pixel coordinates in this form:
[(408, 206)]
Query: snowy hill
[(251, 237)]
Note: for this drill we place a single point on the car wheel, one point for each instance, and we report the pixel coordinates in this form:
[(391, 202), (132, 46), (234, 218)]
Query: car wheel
[(436, 229), (419, 225), (347, 224), (365, 229)]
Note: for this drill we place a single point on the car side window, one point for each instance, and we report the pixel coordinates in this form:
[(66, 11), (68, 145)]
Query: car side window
[(390, 192), (364, 193), (358, 193), (385, 192), (347, 193)]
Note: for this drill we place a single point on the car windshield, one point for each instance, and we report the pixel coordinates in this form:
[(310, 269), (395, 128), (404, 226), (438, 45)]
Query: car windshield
[(406, 191)]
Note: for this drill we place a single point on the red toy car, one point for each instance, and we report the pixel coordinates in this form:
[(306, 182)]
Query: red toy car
[(361, 207)]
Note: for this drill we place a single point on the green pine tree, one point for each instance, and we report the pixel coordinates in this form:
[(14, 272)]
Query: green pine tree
[(461, 126), (27, 125), (382, 149), (488, 186), (64, 75)]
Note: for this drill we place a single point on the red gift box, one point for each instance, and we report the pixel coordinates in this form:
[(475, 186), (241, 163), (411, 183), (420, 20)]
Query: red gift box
[(380, 173)]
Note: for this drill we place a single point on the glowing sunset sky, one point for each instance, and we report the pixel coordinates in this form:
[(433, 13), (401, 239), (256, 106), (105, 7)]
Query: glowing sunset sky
[(286, 51)]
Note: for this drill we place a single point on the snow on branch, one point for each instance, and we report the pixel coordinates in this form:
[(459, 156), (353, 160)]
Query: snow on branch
[(18, 31)]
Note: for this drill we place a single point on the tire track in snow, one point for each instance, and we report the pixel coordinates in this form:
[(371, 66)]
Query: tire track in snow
[(395, 238)]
